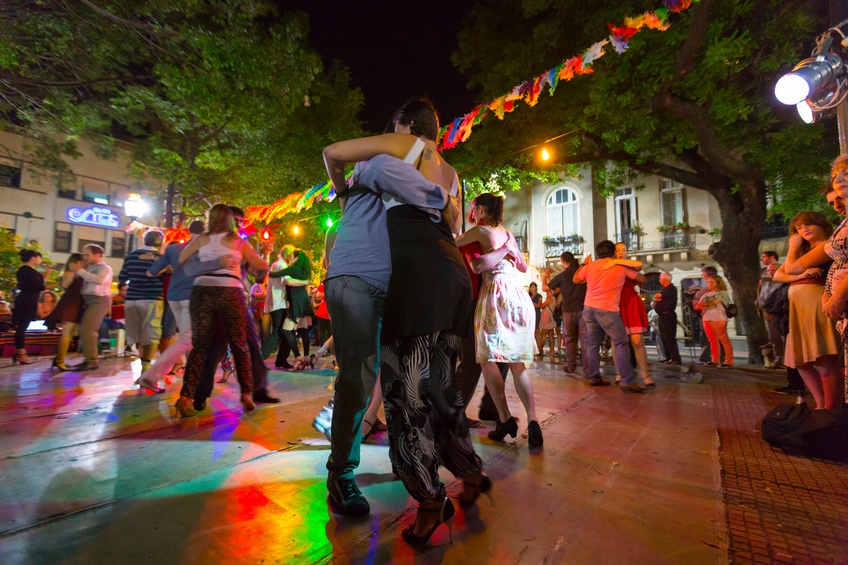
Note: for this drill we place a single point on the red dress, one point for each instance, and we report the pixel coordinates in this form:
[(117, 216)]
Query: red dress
[(633, 312)]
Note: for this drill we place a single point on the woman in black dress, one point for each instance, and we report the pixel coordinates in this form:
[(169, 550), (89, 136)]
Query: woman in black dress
[(428, 309), (68, 311), (30, 285)]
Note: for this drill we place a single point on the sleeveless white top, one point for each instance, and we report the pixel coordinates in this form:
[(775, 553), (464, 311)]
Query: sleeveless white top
[(213, 250)]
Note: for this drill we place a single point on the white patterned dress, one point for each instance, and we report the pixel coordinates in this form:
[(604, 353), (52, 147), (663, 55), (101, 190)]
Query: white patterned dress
[(505, 320)]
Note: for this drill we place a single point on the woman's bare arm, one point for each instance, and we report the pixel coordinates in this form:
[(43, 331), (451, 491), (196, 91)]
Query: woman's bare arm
[(191, 249), (337, 155), (812, 258)]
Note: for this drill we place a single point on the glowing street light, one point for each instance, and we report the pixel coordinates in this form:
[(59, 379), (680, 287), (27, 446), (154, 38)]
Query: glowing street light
[(135, 207), (296, 230), (329, 222), (545, 154)]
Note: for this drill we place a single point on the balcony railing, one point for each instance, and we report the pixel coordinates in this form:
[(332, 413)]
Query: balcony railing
[(630, 238), (556, 246), (674, 239)]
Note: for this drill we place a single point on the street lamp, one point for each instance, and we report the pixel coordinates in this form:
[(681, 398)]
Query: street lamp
[(135, 207)]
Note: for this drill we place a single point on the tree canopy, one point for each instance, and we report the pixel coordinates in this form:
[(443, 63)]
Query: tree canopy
[(693, 104), (223, 100)]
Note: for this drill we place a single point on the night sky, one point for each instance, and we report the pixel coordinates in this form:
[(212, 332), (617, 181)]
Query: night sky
[(394, 50)]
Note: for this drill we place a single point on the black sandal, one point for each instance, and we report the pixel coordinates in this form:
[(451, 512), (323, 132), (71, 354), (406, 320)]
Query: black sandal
[(446, 513)]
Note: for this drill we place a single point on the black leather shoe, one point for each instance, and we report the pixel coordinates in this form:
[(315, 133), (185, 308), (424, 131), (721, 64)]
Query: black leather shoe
[(347, 499), (263, 397), (199, 404), (534, 434), (598, 381), (787, 389)]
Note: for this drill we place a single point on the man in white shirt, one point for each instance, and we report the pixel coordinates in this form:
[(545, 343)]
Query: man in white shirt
[(97, 292)]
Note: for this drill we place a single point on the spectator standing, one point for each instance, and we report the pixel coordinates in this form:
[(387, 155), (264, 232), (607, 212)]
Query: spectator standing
[(766, 287), (47, 303), (666, 307), (537, 305), (813, 345), (144, 303), (179, 296), (97, 292), (713, 303), (30, 284), (601, 312), (696, 292), (573, 295)]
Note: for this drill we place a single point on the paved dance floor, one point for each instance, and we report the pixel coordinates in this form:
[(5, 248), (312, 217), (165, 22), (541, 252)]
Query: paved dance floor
[(94, 471)]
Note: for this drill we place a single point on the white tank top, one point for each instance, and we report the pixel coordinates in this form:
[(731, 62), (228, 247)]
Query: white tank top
[(213, 250), (390, 201)]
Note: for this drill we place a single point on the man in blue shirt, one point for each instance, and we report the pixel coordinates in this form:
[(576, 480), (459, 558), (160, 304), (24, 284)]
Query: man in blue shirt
[(179, 294)]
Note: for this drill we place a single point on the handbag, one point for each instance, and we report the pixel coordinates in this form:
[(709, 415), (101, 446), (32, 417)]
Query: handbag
[(731, 310)]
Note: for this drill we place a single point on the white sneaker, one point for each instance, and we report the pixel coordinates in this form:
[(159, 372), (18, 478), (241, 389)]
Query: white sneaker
[(324, 422)]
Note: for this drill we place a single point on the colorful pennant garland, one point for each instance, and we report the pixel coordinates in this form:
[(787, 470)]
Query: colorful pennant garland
[(459, 130), (295, 202)]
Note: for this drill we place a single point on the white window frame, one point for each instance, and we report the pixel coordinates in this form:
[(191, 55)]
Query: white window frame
[(618, 199), (575, 203), (671, 187)]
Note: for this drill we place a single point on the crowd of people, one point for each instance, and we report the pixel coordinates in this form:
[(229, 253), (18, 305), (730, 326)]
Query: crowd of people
[(416, 314)]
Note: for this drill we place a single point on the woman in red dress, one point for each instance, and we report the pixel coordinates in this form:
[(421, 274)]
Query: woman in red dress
[(634, 315)]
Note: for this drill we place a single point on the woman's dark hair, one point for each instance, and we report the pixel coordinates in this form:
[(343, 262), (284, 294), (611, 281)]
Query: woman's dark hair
[(533, 285), (421, 116), (605, 249), (302, 261), (493, 205), (810, 219), (72, 260), (568, 258), (27, 254)]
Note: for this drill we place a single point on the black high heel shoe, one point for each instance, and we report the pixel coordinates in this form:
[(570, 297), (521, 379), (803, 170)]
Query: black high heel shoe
[(483, 488), (446, 513), (534, 434), (503, 429)]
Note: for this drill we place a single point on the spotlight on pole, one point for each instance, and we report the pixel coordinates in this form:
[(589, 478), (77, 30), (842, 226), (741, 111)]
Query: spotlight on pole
[(820, 82)]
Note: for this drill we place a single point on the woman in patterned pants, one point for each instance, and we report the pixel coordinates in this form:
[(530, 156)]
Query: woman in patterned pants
[(216, 297)]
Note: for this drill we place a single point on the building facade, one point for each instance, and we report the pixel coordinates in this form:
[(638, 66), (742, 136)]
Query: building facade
[(66, 216), (667, 226)]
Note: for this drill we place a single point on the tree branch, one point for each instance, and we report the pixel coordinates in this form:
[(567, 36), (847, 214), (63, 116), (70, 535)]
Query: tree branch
[(27, 82), (134, 25)]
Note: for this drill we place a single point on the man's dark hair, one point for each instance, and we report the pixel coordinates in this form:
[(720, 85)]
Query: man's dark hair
[(197, 227), (772, 254), (94, 249), (605, 249), (237, 211), (153, 238), (710, 270), (568, 259), (121, 285)]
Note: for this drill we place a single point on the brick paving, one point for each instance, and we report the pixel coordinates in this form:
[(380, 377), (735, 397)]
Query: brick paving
[(780, 508)]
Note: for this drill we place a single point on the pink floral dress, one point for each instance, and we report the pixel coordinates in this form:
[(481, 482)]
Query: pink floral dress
[(505, 320)]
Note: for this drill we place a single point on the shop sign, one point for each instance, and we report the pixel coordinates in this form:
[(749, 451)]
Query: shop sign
[(95, 216)]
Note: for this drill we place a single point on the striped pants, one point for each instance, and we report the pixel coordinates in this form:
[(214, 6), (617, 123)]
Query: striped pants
[(211, 305), (424, 413)]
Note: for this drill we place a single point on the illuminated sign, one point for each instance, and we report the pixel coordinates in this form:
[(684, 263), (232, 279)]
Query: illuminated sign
[(95, 216)]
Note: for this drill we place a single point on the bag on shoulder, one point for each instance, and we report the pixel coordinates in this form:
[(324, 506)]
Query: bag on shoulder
[(816, 433), (731, 310)]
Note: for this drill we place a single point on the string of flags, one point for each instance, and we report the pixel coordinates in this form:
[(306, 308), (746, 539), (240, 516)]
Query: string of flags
[(292, 203), (459, 130)]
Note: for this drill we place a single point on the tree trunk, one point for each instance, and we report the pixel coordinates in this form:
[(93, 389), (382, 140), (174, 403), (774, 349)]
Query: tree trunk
[(169, 205), (738, 254)]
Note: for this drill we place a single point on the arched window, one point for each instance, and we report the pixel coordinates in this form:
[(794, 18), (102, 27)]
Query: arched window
[(562, 208)]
